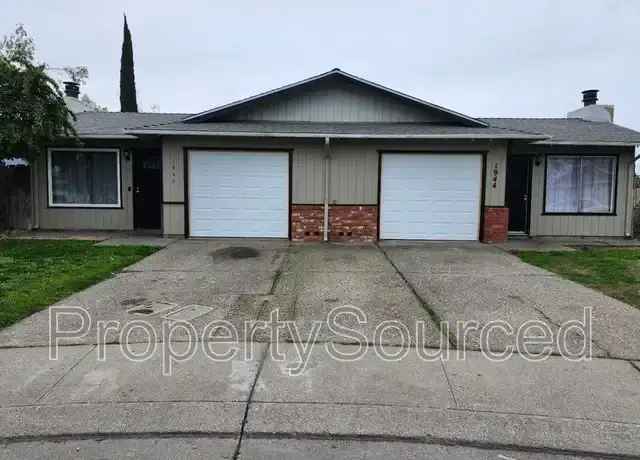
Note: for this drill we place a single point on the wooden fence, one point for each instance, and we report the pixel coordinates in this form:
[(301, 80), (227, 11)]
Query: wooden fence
[(15, 197)]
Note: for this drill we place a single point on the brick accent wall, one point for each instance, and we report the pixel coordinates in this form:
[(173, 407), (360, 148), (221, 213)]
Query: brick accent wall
[(495, 227), (353, 223), (346, 223), (306, 222)]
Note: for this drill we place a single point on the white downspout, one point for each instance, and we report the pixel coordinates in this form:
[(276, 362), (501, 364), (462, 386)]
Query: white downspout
[(327, 159), (628, 225)]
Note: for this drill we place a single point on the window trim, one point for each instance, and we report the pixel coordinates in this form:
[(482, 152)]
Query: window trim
[(614, 185), (50, 202)]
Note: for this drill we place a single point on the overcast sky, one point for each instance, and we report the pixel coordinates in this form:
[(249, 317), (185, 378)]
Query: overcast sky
[(483, 58)]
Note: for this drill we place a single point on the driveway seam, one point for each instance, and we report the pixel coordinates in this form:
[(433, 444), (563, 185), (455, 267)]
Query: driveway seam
[(236, 454), (55, 384), (635, 366), (471, 348), (440, 441), (419, 440), (430, 311), (278, 273)]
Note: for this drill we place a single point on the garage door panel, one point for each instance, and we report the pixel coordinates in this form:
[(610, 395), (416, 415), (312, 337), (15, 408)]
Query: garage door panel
[(239, 194), (430, 196)]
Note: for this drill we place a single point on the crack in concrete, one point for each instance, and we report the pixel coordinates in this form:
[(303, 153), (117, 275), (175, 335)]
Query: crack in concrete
[(446, 376), (55, 384), (430, 311), (559, 326), (263, 358)]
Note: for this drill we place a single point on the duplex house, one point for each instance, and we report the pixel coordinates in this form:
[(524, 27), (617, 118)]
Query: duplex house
[(337, 157)]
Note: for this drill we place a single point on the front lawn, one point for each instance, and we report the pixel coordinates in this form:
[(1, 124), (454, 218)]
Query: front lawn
[(36, 273), (616, 272)]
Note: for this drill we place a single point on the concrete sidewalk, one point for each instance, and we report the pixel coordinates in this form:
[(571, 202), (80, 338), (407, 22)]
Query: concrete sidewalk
[(250, 407)]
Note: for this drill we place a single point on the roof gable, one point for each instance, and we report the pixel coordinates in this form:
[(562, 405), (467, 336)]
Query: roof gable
[(334, 96)]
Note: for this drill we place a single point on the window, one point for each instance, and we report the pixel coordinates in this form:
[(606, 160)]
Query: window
[(84, 178), (580, 184)]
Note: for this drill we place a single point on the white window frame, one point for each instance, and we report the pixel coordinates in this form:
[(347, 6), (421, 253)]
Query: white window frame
[(614, 186), (117, 205)]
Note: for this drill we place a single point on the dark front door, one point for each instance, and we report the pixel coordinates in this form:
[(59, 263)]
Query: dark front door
[(517, 198), (147, 189)]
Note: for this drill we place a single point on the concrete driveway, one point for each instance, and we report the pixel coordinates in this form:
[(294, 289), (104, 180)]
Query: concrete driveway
[(99, 402), (420, 285)]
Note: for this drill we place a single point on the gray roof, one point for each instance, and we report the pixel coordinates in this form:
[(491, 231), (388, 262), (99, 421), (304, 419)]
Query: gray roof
[(317, 129), (115, 124), (570, 130), (542, 130)]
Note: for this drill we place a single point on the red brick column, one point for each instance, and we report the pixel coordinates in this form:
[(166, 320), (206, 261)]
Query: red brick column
[(306, 222), (353, 223), (495, 226)]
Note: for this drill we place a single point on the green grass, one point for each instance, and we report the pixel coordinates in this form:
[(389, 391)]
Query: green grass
[(616, 272), (36, 273)]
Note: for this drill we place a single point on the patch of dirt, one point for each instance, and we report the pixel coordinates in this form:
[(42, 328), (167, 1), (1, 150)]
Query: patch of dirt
[(235, 252)]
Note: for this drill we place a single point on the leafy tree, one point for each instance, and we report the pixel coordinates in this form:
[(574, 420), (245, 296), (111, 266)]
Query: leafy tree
[(128, 101), (32, 109), (77, 74), (96, 108)]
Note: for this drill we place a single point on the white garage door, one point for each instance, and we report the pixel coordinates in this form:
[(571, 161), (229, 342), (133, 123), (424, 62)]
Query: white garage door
[(239, 194), (430, 196)]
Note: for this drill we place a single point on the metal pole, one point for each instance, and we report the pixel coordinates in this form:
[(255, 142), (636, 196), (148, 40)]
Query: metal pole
[(327, 159)]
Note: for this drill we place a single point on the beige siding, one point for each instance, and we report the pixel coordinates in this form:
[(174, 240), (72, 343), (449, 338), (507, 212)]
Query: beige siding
[(79, 218), (337, 101), (172, 171), (307, 174), (549, 225), (173, 219), (354, 174)]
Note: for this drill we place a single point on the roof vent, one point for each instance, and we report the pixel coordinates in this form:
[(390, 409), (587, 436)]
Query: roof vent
[(590, 97), (71, 89)]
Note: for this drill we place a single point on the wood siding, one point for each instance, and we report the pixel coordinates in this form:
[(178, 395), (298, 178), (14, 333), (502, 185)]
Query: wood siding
[(575, 225), (496, 166), (173, 219), (353, 175), (337, 100)]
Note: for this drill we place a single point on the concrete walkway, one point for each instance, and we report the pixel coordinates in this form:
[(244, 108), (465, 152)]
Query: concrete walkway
[(417, 402)]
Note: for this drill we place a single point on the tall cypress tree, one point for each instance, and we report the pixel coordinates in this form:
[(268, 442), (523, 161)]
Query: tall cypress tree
[(128, 101)]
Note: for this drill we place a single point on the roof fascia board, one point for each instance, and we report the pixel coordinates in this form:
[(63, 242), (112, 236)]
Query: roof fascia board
[(587, 143), (532, 137), (102, 136), (222, 108)]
